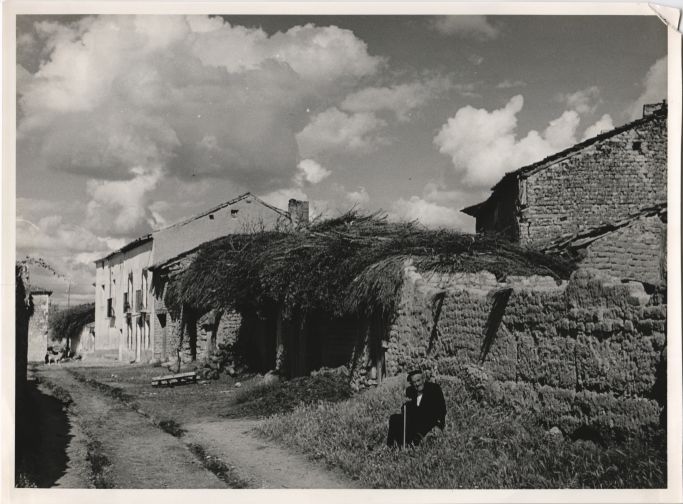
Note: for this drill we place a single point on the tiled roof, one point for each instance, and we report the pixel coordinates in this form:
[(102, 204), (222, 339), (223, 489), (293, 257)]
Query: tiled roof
[(474, 210)]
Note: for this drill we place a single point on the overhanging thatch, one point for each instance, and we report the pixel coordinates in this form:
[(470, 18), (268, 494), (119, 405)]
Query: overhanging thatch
[(348, 265)]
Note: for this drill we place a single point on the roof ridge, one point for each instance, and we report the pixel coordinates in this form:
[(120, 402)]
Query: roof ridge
[(583, 144), (559, 156)]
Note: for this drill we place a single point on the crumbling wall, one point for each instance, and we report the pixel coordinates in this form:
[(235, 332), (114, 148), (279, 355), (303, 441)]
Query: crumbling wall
[(38, 327), (636, 251), (602, 182), (583, 354)]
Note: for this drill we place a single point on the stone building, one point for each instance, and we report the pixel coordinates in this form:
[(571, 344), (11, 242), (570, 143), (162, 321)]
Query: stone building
[(600, 180), (122, 306), (131, 320), (38, 325)]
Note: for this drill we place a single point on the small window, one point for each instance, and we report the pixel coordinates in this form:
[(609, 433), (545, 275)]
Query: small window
[(637, 146), (210, 216), (233, 213)]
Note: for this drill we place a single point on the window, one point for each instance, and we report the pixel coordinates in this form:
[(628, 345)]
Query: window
[(211, 217), (233, 213), (110, 307)]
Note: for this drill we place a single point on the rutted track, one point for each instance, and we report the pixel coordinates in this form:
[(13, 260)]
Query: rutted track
[(125, 449)]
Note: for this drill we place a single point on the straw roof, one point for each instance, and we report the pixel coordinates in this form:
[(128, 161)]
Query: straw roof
[(352, 264)]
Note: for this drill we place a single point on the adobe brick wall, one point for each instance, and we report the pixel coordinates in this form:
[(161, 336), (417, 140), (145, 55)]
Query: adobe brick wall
[(583, 353), (38, 327), (637, 251), (605, 181)]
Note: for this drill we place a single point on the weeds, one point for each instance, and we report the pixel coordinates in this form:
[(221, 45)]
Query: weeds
[(280, 397), (171, 427), (223, 471), (483, 446), (98, 464)]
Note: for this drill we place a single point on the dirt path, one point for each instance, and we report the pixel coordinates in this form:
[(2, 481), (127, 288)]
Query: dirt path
[(55, 446), (139, 454), (259, 462)]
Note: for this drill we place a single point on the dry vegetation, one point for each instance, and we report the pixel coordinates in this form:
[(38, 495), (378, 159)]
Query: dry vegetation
[(356, 260)]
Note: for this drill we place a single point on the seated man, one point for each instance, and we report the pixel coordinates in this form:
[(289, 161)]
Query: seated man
[(425, 409)]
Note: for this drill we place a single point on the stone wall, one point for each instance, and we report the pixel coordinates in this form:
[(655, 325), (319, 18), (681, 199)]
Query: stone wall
[(38, 327), (602, 182), (636, 251), (583, 354)]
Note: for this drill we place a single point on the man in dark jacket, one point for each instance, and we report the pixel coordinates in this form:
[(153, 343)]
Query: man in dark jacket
[(424, 410)]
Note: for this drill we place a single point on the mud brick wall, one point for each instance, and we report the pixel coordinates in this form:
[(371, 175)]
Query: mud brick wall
[(637, 251), (581, 354), (228, 327), (605, 181), (38, 327)]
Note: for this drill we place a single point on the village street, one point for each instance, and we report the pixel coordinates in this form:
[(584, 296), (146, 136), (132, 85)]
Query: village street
[(113, 442)]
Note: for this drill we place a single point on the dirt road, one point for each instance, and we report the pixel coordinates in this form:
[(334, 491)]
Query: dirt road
[(131, 452)]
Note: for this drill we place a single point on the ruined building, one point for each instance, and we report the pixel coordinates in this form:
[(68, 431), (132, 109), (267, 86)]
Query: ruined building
[(38, 325), (130, 318), (614, 182)]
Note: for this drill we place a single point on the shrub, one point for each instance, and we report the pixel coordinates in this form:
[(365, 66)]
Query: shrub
[(279, 397), (483, 446)]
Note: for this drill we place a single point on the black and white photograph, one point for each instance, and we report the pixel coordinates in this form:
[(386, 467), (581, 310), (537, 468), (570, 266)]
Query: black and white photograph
[(279, 248)]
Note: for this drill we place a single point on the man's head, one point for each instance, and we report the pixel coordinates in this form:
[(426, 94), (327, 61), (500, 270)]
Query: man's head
[(417, 380)]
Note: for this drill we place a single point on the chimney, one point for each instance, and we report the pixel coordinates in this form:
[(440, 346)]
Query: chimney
[(298, 212), (651, 108)]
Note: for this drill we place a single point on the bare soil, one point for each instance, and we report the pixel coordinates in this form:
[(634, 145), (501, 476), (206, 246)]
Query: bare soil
[(142, 455), (139, 454)]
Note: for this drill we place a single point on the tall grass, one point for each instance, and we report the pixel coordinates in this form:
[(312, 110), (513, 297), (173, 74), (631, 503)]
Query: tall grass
[(281, 397), (483, 446)]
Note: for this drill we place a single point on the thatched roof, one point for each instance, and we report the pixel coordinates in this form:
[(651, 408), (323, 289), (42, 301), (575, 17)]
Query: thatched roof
[(352, 264)]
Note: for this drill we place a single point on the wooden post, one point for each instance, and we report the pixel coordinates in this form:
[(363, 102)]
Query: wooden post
[(181, 332)]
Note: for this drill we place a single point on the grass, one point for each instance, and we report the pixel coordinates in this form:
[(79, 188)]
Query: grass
[(98, 464), (483, 446), (223, 471), (280, 397)]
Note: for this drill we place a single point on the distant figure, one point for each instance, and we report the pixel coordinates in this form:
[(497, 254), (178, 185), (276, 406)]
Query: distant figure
[(424, 410)]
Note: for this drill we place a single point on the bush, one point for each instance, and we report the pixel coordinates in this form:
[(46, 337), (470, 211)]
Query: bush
[(482, 447), (280, 397)]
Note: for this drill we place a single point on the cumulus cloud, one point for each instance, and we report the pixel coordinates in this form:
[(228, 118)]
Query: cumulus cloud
[(334, 131), (310, 172), (428, 213), (122, 207), (473, 27), (401, 99), (654, 88), (70, 249), (280, 198), (603, 124), (583, 101), (359, 197), (483, 145), (114, 92)]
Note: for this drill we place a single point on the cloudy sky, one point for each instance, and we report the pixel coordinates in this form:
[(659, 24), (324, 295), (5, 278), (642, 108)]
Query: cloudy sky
[(127, 124)]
